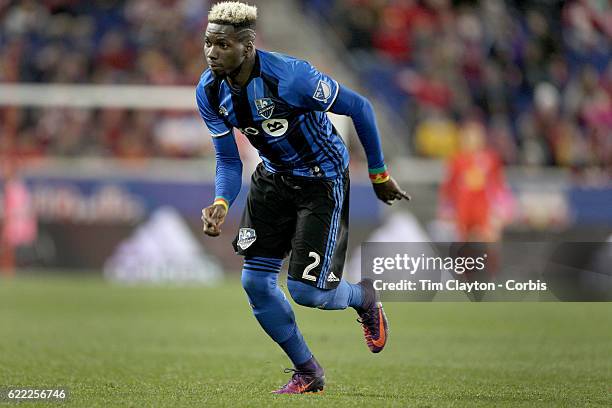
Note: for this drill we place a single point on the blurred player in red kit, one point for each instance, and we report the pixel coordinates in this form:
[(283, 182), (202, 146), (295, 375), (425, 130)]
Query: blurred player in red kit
[(474, 194)]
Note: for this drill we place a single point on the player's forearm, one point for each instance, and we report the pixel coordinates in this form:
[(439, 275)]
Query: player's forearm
[(228, 180), (228, 177), (360, 110)]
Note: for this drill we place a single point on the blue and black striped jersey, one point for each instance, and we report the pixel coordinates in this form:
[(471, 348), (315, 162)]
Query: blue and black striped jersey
[(281, 110)]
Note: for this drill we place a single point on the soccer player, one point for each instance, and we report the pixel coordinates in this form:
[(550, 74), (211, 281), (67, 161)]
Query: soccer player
[(474, 192), (298, 200)]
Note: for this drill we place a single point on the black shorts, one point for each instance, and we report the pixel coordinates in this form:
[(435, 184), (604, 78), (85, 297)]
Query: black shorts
[(305, 216)]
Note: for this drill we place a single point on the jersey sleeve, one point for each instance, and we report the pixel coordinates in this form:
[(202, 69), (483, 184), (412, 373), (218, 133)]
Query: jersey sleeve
[(360, 110), (307, 88), (215, 124), (228, 175)]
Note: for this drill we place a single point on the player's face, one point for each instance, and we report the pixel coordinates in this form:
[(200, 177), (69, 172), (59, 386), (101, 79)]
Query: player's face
[(223, 49)]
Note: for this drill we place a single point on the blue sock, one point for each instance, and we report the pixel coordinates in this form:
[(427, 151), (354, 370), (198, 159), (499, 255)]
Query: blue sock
[(271, 307), (345, 295)]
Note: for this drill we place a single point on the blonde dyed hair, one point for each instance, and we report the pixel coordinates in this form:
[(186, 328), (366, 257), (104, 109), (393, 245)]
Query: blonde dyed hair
[(235, 13)]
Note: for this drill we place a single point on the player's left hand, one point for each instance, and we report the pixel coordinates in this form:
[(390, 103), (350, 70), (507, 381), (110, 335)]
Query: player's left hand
[(389, 191)]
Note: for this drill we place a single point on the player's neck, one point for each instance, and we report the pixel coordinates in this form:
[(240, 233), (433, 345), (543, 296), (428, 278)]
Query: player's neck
[(241, 76)]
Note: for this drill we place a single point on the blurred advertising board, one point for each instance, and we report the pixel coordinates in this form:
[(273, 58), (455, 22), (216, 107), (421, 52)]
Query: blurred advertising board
[(85, 216), (85, 211)]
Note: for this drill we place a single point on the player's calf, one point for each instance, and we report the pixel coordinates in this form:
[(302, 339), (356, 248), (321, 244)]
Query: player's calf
[(343, 296)]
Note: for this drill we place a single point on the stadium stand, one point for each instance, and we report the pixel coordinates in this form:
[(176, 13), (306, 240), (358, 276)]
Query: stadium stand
[(112, 42), (538, 72)]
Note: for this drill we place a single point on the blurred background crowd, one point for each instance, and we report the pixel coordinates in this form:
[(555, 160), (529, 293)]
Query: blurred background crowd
[(155, 42), (484, 107), (539, 73)]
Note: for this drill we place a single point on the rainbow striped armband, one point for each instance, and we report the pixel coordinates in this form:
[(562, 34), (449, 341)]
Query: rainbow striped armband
[(379, 175), (222, 201)]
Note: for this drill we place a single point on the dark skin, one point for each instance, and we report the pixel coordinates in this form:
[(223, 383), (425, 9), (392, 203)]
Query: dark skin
[(230, 54)]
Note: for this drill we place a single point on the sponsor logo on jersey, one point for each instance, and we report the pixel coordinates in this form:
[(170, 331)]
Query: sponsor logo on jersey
[(275, 127), (246, 237), (250, 131), (323, 91), (223, 111), (265, 107)]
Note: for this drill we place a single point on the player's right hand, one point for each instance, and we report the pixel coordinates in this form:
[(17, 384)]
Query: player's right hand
[(212, 217), (389, 191)]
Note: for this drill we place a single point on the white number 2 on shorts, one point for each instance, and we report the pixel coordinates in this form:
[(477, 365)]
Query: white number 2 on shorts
[(317, 260)]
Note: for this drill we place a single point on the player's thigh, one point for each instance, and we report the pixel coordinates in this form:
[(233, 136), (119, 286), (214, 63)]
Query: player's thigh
[(268, 220), (321, 234)]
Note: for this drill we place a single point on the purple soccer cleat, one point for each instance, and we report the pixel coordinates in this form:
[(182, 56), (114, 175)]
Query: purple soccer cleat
[(373, 319), (304, 381)]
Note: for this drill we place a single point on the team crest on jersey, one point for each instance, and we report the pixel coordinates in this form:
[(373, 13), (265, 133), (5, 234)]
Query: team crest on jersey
[(223, 110), (323, 91), (246, 237), (265, 107)]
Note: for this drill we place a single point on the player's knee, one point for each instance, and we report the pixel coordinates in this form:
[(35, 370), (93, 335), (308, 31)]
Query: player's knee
[(258, 284), (306, 295)]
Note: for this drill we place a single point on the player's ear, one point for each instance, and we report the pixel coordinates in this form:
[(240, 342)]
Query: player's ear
[(248, 48)]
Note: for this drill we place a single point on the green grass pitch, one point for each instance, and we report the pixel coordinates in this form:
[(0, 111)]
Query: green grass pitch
[(172, 346)]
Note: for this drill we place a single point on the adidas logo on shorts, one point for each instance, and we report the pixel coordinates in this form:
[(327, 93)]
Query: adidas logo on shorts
[(332, 277)]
